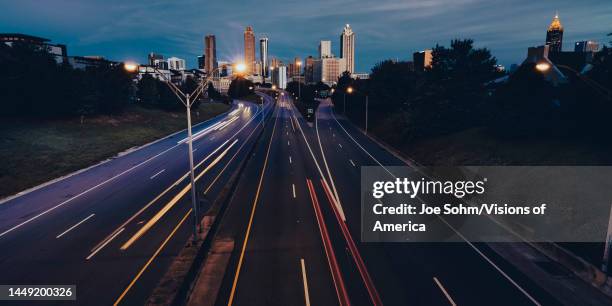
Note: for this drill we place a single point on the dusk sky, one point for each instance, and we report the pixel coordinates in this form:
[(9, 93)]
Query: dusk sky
[(129, 29)]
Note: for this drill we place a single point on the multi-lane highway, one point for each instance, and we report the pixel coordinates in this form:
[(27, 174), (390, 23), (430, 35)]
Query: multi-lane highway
[(295, 223), (294, 220), (113, 229)]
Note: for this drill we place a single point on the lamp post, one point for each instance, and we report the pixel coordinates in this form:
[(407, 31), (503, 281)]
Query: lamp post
[(299, 63), (187, 100), (544, 66), (351, 90)]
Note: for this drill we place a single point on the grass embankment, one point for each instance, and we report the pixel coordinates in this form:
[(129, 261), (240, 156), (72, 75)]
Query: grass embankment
[(33, 152), (478, 146)]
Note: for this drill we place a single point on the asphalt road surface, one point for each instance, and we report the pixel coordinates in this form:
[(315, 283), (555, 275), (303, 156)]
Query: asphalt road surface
[(295, 220), (113, 229)]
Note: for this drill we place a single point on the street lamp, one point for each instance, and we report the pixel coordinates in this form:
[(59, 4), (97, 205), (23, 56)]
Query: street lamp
[(350, 90), (543, 66), (187, 99), (600, 89), (299, 63)]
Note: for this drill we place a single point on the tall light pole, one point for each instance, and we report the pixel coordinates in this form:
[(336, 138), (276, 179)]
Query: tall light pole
[(544, 66), (351, 90), (299, 63), (187, 99)]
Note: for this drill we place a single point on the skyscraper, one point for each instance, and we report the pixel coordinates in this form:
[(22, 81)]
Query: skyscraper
[(176, 63), (422, 60), (154, 57), (554, 35), (586, 46), (296, 67), (308, 69), (325, 49), (249, 50), (201, 61), (210, 53), (263, 56), (347, 48)]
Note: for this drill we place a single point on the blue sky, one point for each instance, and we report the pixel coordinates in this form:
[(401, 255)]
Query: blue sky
[(129, 29)]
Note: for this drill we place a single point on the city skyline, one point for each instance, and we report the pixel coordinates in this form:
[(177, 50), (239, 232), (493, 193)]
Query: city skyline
[(387, 30)]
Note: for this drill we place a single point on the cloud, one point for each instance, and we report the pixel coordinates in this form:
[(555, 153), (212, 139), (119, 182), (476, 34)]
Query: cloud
[(384, 28)]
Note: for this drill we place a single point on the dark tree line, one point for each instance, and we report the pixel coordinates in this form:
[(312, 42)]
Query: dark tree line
[(456, 93), (33, 84), (240, 87)]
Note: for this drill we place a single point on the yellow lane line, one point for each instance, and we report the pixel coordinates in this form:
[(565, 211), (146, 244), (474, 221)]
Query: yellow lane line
[(248, 230), (144, 268), (172, 202)]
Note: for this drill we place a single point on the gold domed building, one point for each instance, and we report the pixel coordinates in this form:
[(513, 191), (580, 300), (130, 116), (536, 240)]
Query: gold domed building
[(554, 35)]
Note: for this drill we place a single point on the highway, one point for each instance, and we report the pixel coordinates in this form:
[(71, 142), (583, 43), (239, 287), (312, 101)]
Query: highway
[(295, 220), (113, 229)]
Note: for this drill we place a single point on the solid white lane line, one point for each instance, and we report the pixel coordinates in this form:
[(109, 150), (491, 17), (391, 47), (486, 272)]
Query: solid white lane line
[(448, 297), (516, 285), (492, 263), (293, 188), (331, 178), (290, 161), (352, 163), (82, 193), (292, 125), (156, 174), (337, 204), (101, 184), (305, 281), (177, 182), (104, 244), (359, 145), (74, 226)]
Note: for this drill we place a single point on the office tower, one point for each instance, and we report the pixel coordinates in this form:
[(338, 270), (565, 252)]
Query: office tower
[(176, 63), (279, 77), (327, 70), (154, 58), (275, 63), (263, 56), (201, 61), (347, 48), (422, 60), (297, 67), (586, 46), (249, 50), (308, 69), (554, 35), (210, 53), (325, 49)]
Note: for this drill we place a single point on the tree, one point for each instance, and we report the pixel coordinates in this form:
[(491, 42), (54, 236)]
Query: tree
[(148, 94), (213, 93), (60, 90), (526, 105), (240, 87)]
